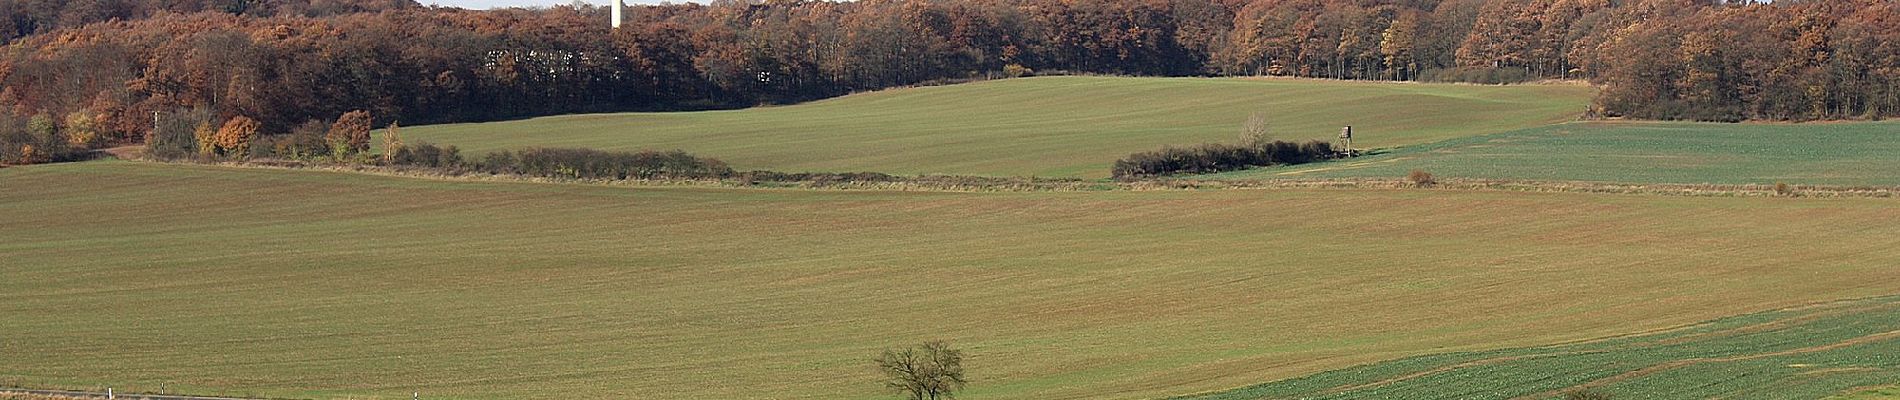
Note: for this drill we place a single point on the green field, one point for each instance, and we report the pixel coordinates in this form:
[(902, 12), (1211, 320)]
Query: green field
[(1841, 154), (1054, 126), (1810, 353), (219, 280), (1887, 393)]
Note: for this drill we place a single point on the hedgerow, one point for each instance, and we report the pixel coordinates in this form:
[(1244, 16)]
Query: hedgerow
[(1219, 157)]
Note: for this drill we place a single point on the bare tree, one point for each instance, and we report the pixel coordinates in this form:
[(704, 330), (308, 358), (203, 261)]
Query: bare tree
[(931, 371), (392, 143), (1255, 132)]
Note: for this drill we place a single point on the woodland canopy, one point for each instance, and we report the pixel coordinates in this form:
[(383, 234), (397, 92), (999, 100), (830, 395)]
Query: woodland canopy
[(115, 63)]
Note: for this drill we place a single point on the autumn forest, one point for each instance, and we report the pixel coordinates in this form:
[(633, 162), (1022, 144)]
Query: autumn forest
[(107, 67)]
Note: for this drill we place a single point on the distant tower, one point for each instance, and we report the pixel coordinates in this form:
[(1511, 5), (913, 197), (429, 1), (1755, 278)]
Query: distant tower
[(618, 4)]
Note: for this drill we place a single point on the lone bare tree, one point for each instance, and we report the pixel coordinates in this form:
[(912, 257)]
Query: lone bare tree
[(392, 143), (1255, 131), (931, 371)]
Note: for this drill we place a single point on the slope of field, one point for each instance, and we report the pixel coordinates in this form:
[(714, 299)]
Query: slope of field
[(1810, 352), (214, 280), (1851, 154), (1054, 126)]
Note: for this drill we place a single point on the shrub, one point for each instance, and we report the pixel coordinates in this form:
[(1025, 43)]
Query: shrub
[(82, 130), (350, 134), (234, 139), (269, 146), (303, 142), (1782, 188), (207, 139), (306, 141), (499, 162), (1421, 178), (1017, 71), (429, 155), (449, 156), (42, 125)]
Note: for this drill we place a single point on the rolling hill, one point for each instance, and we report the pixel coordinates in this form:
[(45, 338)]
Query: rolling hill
[(1049, 126)]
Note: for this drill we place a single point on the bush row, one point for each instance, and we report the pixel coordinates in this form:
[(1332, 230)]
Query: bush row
[(817, 177), (199, 134), (1218, 157), (572, 163), (566, 163)]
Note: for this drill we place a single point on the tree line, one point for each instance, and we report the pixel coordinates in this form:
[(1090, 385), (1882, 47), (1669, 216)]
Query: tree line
[(116, 63), (27, 17)]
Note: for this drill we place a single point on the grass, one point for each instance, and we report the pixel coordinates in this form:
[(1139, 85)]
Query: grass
[(1051, 127), (1842, 154), (215, 280), (1800, 353)]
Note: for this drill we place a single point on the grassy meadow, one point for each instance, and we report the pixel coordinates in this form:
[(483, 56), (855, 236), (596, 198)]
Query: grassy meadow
[(1050, 126), (1840, 154), (219, 280)]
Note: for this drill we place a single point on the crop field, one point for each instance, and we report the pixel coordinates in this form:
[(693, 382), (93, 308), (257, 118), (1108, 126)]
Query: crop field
[(1052, 126), (1810, 352), (240, 281), (1841, 154), (1886, 393)]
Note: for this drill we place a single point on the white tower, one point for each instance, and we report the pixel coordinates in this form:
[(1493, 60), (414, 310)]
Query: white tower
[(618, 4)]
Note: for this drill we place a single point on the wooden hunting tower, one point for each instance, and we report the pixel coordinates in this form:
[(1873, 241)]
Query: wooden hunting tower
[(1345, 139)]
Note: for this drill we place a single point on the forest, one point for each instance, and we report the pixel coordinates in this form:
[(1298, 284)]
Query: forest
[(102, 71)]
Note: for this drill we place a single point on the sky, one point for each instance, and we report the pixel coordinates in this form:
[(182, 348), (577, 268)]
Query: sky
[(481, 4)]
